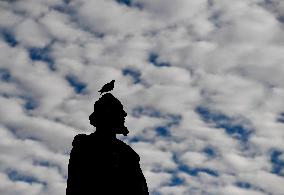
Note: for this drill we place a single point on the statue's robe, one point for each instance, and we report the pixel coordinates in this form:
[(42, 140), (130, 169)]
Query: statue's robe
[(100, 166)]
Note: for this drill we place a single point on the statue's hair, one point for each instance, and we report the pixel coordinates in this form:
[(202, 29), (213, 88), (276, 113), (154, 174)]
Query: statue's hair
[(106, 104)]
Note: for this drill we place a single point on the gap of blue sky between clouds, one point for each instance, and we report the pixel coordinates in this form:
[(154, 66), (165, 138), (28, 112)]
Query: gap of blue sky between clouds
[(219, 120)]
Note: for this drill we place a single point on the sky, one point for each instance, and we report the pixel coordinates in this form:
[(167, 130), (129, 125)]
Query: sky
[(202, 83)]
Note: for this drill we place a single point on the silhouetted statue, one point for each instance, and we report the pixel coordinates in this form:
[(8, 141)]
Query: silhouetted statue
[(102, 164)]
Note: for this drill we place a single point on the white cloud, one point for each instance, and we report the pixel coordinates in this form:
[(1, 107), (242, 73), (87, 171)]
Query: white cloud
[(238, 191), (61, 28), (119, 20), (31, 34), (173, 190), (151, 157), (193, 159), (8, 18), (221, 55), (156, 180), (10, 188)]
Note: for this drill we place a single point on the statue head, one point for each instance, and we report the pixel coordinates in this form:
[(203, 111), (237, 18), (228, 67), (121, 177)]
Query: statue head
[(109, 115)]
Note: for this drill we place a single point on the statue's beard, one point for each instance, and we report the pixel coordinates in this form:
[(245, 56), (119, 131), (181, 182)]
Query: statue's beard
[(122, 130), (117, 127)]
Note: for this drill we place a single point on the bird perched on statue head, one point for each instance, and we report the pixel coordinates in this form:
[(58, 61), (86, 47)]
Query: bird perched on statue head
[(107, 87)]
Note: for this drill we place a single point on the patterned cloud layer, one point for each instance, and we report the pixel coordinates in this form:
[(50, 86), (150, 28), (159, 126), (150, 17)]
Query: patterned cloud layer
[(202, 82)]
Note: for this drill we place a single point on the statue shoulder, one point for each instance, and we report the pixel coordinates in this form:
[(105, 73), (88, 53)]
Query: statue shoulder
[(78, 139), (129, 151)]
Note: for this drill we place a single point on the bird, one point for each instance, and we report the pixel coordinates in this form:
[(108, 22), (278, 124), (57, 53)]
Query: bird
[(107, 87)]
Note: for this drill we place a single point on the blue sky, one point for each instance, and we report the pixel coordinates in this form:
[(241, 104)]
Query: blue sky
[(202, 83)]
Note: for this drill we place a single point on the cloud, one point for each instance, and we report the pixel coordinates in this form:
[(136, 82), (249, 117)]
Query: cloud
[(126, 20), (31, 34), (202, 82)]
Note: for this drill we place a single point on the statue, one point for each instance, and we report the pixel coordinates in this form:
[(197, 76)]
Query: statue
[(100, 163)]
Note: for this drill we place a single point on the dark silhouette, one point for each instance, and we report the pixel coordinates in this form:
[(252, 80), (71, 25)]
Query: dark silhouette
[(107, 87), (100, 163)]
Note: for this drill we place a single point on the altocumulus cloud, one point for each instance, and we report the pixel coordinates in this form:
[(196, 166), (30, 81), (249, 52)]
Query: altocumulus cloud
[(202, 82)]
